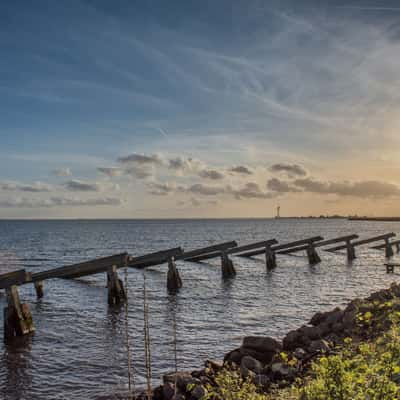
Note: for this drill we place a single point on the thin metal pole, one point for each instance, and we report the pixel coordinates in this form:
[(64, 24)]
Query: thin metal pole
[(147, 345), (131, 380)]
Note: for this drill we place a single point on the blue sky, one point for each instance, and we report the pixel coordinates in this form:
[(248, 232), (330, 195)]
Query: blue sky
[(147, 109)]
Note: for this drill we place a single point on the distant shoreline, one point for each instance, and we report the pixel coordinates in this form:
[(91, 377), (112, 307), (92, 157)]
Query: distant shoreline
[(352, 218), (381, 219)]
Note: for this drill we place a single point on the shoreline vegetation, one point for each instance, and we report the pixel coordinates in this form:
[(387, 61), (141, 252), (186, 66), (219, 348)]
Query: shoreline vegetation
[(350, 353)]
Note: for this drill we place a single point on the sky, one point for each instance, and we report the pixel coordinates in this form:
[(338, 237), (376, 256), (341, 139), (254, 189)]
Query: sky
[(180, 109)]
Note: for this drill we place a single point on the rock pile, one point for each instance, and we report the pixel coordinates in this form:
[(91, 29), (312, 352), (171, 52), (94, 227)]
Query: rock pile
[(266, 360)]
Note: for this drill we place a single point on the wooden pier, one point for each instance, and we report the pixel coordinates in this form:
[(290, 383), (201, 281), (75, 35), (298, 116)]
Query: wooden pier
[(347, 239), (394, 243), (18, 319), (385, 237), (309, 244), (224, 253)]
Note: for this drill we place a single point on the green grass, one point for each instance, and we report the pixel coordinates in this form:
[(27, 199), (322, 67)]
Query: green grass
[(367, 370)]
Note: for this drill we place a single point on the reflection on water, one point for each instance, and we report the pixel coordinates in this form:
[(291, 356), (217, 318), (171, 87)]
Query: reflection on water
[(79, 351), (18, 368)]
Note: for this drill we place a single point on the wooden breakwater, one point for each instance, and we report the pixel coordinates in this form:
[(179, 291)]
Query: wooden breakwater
[(18, 319)]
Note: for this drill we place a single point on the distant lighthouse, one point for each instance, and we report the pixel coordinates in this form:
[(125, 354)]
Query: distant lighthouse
[(278, 212)]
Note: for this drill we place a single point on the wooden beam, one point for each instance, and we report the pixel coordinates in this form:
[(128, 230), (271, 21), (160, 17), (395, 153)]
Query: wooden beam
[(234, 250), (319, 244), (283, 246), (382, 246), (336, 240), (83, 269), (157, 258), (251, 246), (14, 278), (385, 237), (292, 250), (189, 255)]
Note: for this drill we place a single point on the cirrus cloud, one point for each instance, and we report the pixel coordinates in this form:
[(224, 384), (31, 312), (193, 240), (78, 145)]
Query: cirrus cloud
[(23, 202), (292, 170), (370, 188)]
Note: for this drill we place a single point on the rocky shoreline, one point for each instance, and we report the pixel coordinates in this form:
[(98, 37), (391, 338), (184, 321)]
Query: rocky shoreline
[(272, 363)]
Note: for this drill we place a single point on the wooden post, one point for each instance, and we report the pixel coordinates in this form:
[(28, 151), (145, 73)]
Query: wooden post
[(116, 291), (312, 255), (39, 289), (351, 252), (228, 269), (270, 258), (174, 281), (389, 268), (17, 317), (388, 249)]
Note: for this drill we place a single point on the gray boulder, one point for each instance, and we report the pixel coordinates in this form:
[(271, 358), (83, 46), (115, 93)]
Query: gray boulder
[(318, 318), (334, 316), (282, 371), (262, 344), (318, 346), (292, 340), (300, 353), (250, 364), (198, 392), (168, 391), (262, 381)]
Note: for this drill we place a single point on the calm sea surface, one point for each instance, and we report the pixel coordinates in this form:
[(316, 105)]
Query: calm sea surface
[(78, 350)]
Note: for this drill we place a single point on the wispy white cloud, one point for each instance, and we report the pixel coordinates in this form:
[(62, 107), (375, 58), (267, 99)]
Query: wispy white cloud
[(62, 172), (23, 202), (35, 187)]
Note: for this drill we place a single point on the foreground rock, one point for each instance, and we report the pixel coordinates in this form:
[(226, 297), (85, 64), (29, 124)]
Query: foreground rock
[(266, 360)]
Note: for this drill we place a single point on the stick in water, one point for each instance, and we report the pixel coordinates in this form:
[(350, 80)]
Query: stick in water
[(147, 346), (131, 382)]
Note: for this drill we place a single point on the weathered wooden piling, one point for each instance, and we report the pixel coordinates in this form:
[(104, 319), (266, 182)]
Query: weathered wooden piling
[(116, 290), (270, 258), (388, 249), (39, 289), (17, 317), (228, 270), (350, 250), (390, 267), (174, 281), (313, 257)]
